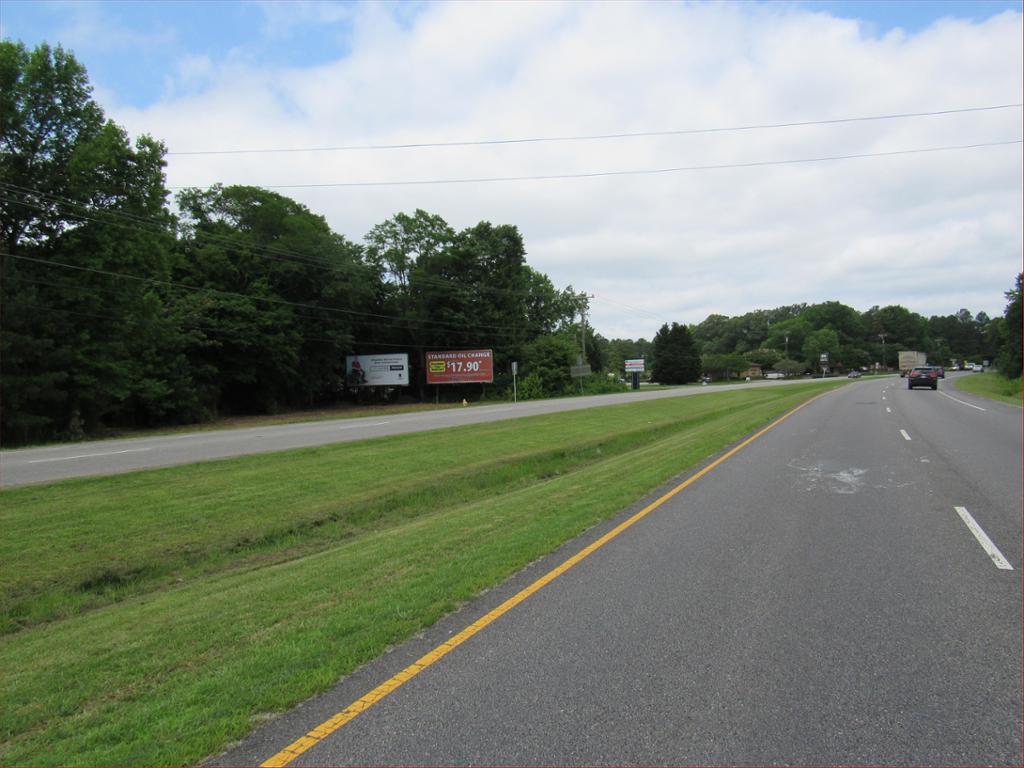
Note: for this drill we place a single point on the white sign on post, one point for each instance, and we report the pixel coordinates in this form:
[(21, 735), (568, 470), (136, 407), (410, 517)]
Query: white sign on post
[(377, 370)]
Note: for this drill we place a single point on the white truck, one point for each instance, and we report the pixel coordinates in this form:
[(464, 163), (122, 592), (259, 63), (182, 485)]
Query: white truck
[(911, 359)]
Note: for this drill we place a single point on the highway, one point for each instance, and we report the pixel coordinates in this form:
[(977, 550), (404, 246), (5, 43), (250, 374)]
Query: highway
[(107, 457), (846, 589)]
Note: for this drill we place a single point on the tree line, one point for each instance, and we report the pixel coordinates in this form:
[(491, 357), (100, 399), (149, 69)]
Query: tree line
[(121, 310), (791, 340), (118, 311)]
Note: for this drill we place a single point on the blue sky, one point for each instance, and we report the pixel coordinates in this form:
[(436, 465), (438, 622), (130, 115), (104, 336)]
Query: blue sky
[(130, 48)]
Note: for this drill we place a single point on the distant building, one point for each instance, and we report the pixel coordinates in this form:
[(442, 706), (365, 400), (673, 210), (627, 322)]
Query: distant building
[(753, 372)]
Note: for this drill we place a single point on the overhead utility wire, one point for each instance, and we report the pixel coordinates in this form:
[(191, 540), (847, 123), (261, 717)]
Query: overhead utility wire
[(592, 137), (331, 321), (157, 225), (635, 310), (270, 300), (350, 343), (645, 172)]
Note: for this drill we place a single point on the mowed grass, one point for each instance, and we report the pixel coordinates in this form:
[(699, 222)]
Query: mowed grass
[(154, 618), (992, 385)]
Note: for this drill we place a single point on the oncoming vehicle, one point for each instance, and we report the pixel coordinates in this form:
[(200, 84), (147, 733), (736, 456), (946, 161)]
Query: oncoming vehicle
[(923, 376)]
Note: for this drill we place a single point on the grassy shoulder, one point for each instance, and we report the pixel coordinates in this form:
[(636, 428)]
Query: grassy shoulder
[(991, 385), (257, 582)]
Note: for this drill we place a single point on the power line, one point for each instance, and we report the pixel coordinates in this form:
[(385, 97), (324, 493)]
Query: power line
[(591, 137), (642, 172), (325, 322), (350, 343), (635, 310), (392, 320), (158, 225)]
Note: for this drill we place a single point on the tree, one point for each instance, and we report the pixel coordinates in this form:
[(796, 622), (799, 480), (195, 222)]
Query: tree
[(87, 241), (766, 358), (900, 326), (788, 335), (819, 342), (1009, 359), (396, 246), (547, 360), (843, 320), (276, 301), (714, 335), (724, 366), (790, 367), (675, 356), (478, 291)]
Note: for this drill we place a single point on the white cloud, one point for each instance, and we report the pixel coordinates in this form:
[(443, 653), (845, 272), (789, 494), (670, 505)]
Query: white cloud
[(90, 26), (933, 232)]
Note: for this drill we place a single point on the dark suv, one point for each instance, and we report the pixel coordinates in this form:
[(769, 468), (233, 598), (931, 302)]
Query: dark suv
[(924, 376)]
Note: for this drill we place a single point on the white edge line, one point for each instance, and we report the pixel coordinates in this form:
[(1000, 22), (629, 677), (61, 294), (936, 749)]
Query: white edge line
[(87, 455), (905, 435), (969, 405), (986, 543)]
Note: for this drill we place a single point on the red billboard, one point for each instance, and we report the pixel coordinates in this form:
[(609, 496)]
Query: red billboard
[(464, 366)]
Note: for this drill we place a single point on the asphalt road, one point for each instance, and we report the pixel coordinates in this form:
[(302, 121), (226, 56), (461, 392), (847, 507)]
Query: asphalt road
[(107, 457), (815, 599)]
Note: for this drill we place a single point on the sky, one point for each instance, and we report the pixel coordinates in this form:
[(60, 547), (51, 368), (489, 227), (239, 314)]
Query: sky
[(693, 218)]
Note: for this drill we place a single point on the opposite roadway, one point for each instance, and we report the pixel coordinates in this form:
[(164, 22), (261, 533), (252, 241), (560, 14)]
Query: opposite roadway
[(107, 457), (824, 596)]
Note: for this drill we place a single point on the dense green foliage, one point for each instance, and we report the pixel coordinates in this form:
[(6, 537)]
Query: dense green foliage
[(676, 360), (118, 313), (791, 339), (80, 345), (1009, 359)]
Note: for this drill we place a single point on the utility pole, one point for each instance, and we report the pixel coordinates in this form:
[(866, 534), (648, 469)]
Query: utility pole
[(882, 337), (584, 303)]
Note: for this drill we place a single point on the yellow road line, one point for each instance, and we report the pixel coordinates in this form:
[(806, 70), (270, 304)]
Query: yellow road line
[(331, 725)]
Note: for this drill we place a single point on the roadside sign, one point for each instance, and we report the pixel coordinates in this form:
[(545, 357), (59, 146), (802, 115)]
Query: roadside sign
[(463, 366), (377, 370), (635, 366), (579, 370)]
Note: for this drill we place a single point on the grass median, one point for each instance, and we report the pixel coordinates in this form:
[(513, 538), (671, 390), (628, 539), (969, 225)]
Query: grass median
[(153, 618), (992, 385)]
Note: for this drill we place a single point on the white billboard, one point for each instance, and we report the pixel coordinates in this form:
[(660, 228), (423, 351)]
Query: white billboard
[(377, 370)]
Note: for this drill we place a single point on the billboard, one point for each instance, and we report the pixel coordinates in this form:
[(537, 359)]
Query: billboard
[(377, 370), (464, 366)]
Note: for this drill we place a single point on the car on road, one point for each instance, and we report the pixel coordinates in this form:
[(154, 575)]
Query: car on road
[(941, 370), (923, 376), (853, 375)]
